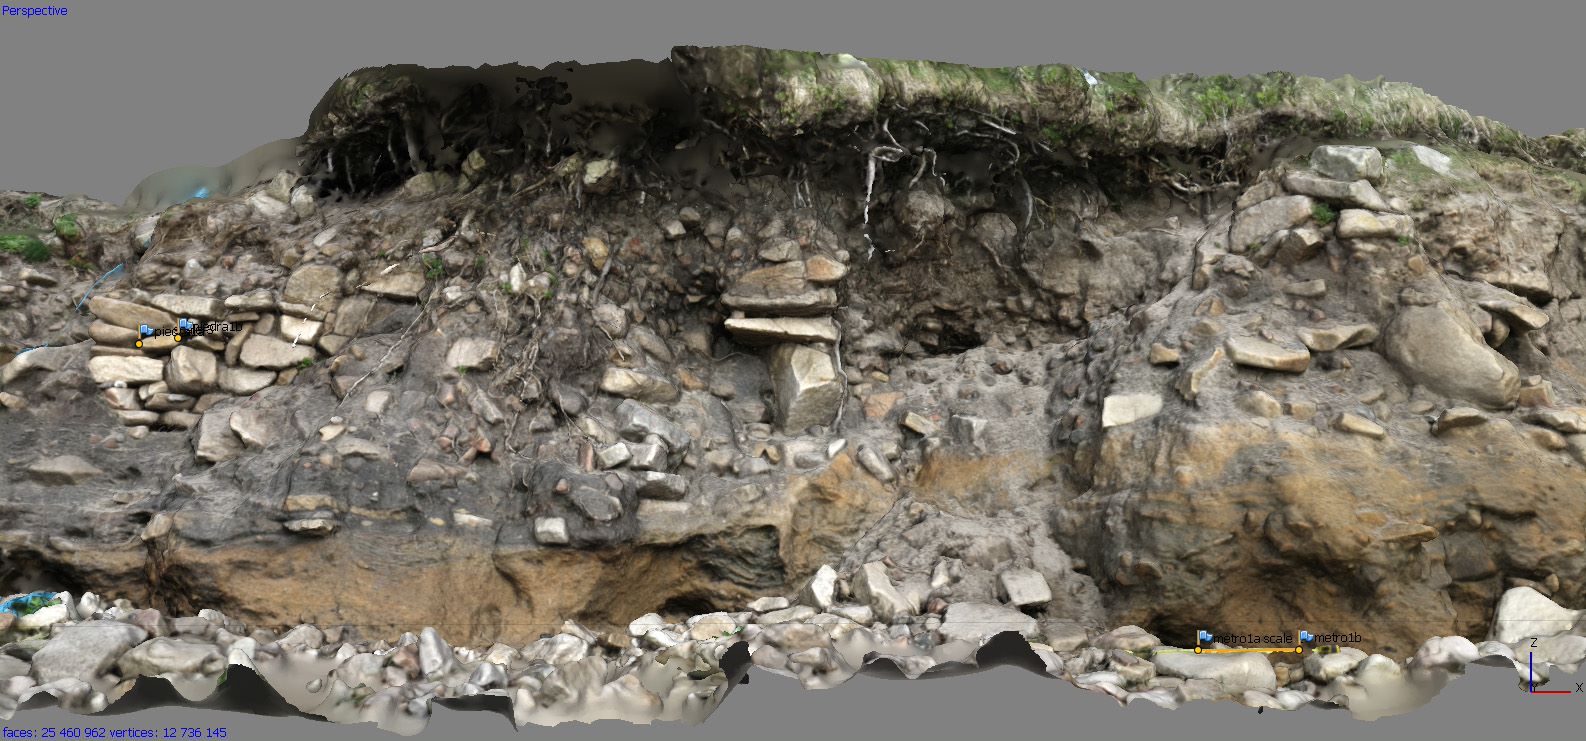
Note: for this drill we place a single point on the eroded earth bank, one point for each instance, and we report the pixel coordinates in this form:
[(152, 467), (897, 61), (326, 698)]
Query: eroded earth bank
[(596, 372)]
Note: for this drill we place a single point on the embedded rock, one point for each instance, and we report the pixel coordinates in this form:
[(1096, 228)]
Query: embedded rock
[(807, 387), (1440, 348)]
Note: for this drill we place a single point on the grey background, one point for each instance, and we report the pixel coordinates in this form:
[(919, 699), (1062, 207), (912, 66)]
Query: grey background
[(1001, 704), (93, 102), (118, 89)]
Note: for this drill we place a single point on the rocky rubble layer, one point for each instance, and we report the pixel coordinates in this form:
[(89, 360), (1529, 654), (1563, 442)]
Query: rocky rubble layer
[(524, 351), (85, 654)]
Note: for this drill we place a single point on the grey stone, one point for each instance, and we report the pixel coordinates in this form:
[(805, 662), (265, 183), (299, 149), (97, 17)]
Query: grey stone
[(596, 504), (1025, 587), (968, 431), (977, 622), (268, 352), (613, 455), (44, 359), (63, 470), (171, 656), (647, 456), (876, 464), (610, 319), (658, 485), (1520, 315), (244, 381), (1344, 162), (1351, 194), (781, 250), (635, 421), (256, 427), (807, 386), (214, 441), (796, 613), (86, 651), (313, 285), (1294, 246), (1253, 225), (1440, 348), (192, 307), (873, 587), (401, 283)]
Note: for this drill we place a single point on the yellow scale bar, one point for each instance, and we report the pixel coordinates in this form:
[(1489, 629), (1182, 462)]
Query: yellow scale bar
[(1199, 650)]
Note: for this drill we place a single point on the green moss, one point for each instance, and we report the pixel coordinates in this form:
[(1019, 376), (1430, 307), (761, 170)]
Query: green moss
[(33, 201), (67, 228), (26, 246), (434, 269), (1323, 214)]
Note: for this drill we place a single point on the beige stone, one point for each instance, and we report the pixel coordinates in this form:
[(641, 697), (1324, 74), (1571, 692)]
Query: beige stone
[(1327, 339), (762, 330), (1258, 353), (191, 371), (1121, 409), (1358, 425), (269, 352), (633, 384), (127, 314), (129, 369)]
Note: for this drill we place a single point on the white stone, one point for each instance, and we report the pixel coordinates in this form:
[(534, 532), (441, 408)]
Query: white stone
[(1236, 672), (1523, 612), (550, 531), (1448, 652), (977, 622), (820, 591), (1326, 667), (473, 353), (1432, 159), (1121, 409), (244, 381)]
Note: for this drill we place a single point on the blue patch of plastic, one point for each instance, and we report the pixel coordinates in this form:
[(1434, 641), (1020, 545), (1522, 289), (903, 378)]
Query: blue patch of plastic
[(201, 192), (31, 603)]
